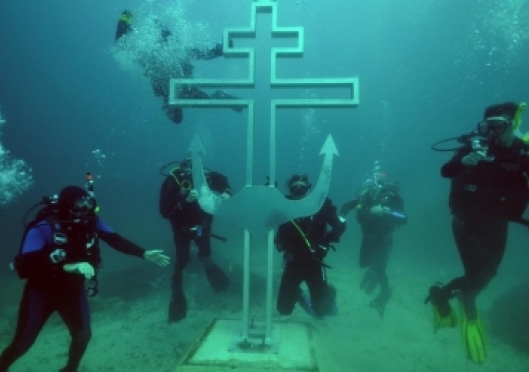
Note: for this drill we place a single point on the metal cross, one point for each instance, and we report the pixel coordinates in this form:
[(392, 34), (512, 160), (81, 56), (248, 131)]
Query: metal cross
[(258, 208)]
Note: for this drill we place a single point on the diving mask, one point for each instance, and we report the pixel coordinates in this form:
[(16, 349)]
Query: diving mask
[(299, 185), (82, 207), (298, 189), (493, 127)]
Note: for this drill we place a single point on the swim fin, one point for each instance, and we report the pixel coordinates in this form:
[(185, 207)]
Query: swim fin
[(177, 308), (305, 303), (217, 278), (334, 310), (379, 303), (369, 282), (444, 315), (473, 337)]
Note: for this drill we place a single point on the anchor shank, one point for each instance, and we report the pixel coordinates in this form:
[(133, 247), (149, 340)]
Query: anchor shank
[(246, 287), (269, 288)]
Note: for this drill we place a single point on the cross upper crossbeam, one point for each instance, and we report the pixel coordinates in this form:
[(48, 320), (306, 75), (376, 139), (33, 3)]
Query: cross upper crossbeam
[(262, 6), (351, 84)]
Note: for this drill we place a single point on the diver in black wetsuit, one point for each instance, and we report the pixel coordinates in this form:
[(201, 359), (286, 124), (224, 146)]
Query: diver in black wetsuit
[(305, 242), (489, 188), (379, 212), (178, 203), (59, 252), (160, 73)]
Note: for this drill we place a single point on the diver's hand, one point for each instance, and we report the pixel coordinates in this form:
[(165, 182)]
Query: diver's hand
[(379, 210), (157, 257), (83, 268), (225, 196), (192, 196), (473, 158)]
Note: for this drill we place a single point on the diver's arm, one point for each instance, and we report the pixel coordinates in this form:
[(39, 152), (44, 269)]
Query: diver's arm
[(219, 183), (396, 204), (455, 166), (396, 210), (347, 207), (124, 245), (117, 242), (281, 240), (336, 222)]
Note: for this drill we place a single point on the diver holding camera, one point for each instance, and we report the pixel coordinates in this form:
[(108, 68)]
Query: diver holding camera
[(489, 188)]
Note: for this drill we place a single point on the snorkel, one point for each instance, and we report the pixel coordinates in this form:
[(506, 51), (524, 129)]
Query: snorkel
[(517, 123)]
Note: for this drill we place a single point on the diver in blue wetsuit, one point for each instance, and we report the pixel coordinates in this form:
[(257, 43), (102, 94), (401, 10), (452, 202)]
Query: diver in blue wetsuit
[(305, 242), (58, 254)]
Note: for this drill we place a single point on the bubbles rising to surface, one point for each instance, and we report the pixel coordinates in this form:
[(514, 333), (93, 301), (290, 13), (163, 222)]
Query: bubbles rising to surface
[(15, 175)]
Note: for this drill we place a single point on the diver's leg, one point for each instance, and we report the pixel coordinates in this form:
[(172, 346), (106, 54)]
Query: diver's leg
[(323, 295), (367, 252), (289, 288), (481, 245), (483, 239), (192, 92), (217, 278), (178, 304), (219, 94), (439, 295), (174, 113), (379, 266), (34, 311), (75, 312), (181, 238)]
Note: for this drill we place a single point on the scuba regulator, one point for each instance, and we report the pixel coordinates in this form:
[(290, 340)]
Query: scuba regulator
[(494, 125)]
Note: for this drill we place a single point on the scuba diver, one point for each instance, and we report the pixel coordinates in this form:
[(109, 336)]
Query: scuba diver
[(379, 209), (179, 204), (58, 255), (305, 242), (161, 71), (489, 189)]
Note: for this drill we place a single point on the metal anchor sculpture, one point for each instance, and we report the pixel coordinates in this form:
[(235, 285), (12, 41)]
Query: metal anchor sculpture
[(267, 204), (260, 208), (277, 209)]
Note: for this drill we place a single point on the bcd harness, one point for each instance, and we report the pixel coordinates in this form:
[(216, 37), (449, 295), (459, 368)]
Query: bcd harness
[(63, 248)]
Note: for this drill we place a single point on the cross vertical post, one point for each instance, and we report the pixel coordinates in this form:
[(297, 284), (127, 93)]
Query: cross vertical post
[(269, 208)]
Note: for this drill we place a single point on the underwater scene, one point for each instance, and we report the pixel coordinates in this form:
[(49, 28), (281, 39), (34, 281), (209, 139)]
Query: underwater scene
[(357, 169)]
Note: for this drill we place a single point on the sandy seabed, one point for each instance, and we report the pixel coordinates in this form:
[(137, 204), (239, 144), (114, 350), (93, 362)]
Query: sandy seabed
[(130, 331)]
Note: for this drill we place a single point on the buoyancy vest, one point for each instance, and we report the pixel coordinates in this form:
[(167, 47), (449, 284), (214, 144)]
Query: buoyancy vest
[(68, 243), (496, 188)]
